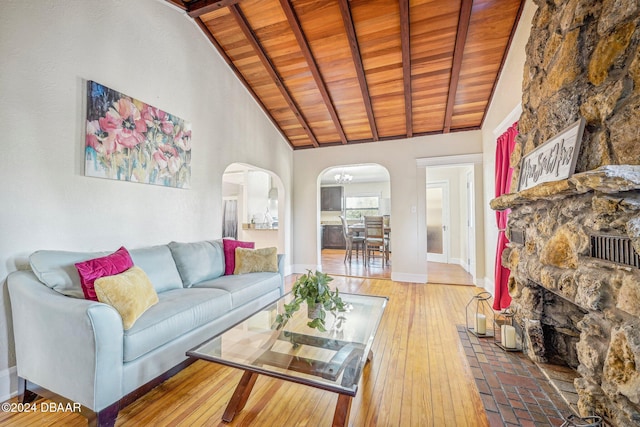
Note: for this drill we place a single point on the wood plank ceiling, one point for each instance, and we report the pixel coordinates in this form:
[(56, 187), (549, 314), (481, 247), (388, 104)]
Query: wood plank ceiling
[(333, 72)]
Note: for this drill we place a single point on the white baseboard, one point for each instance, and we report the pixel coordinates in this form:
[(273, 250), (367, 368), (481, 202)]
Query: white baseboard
[(488, 285), (8, 383), (456, 261), (408, 277)]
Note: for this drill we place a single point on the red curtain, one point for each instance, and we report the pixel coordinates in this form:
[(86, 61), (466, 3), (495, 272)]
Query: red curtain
[(505, 144)]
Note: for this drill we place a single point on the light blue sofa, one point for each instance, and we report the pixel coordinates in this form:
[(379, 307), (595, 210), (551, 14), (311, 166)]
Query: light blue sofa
[(76, 349)]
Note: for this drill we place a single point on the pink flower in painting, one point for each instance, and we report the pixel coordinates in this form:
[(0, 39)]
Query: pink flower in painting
[(167, 158), (98, 139), (183, 140), (124, 122), (158, 119)]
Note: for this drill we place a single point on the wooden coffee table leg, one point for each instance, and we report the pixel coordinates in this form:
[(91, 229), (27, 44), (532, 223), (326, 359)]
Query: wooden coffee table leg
[(240, 396), (343, 408)]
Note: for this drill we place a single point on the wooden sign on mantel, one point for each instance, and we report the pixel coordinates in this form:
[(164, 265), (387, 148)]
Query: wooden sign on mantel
[(554, 160)]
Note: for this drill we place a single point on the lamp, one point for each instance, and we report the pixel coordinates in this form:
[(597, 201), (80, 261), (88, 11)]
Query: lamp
[(343, 178)]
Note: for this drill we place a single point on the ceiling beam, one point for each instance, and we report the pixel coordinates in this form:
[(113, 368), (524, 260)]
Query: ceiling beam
[(266, 62), (239, 75), (405, 33), (458, 53), (294, 23), (197, 8), (349, 26)]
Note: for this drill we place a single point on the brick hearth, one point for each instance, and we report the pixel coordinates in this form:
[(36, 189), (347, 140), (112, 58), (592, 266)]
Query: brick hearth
[(514, 391)]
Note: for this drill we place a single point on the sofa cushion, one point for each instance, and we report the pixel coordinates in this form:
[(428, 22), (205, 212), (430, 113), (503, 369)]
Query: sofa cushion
[(198, 261), (130, 293), (230, 246), (57, 269), (177, 312), (246, 287), (158, 263), (256, 260), (95, 268)]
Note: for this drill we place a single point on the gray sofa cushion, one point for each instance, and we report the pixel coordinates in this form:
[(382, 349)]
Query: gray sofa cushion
[(56, 269), (178, 312), (198, 261), (244, 287), (158, 263)]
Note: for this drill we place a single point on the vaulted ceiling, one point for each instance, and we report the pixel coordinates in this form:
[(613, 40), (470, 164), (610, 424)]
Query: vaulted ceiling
[(331, 72)]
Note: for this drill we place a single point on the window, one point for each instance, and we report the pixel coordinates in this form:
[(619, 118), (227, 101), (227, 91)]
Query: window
[(358, 207)]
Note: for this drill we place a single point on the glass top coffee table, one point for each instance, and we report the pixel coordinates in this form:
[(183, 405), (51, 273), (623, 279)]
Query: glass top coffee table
[(331, 360)]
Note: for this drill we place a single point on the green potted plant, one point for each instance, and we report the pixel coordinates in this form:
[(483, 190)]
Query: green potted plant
[(312, 288)]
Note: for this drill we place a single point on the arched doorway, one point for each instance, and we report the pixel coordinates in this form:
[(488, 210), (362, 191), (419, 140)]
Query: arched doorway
[(253, 205), (352, 191)]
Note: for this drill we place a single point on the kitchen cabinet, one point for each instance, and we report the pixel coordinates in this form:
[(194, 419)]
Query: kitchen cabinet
[(332, 237), (331, 198)]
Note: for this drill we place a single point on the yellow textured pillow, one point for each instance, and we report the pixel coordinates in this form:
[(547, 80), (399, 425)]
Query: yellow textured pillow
[(256, 260), (131, 293)]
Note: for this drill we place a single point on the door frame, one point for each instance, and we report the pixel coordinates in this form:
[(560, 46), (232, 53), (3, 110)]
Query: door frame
[(446, 222), (471, 225)]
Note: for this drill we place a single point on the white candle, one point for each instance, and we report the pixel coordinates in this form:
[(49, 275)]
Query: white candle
[(509, 337), (502, 335), (481, 324)]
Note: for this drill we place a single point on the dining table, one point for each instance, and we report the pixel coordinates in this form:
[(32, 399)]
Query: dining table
[(359, 228)]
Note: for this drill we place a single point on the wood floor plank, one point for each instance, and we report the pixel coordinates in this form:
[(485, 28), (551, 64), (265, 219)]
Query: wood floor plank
[(419, 376)]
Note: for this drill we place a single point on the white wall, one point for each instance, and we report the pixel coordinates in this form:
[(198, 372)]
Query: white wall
[(507, 98), (145, 49), (407, 181)]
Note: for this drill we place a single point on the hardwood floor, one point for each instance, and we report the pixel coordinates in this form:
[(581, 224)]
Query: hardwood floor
[(451, 274), (333, 263), (419, 376)]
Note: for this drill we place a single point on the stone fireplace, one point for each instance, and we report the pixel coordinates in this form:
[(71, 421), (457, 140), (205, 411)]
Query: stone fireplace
[(575, 283), (573, 256)]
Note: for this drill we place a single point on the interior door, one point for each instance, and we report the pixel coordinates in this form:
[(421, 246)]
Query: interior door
[(438, 222)]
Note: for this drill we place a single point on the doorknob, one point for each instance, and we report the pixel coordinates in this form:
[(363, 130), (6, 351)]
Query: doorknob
[(444, 228)]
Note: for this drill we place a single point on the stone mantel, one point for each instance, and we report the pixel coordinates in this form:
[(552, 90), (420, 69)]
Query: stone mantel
[(609, 179)]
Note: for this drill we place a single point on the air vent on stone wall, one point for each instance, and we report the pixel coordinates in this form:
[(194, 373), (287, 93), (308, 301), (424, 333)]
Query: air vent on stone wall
[(615, 249)]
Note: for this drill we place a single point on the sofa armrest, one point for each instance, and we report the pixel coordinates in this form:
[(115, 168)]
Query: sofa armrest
[(281, 271), (72, 347)]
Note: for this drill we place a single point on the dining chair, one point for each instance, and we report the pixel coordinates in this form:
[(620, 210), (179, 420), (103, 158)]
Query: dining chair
[(374, 239), (351, 240)]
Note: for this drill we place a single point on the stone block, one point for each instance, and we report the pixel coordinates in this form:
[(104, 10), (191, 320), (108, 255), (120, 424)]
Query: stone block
[(634, 71), (560, 250), (625, 139), (608, 50), (633, 231), (589, 292), (629, 296), (621, 373), (597, 107), (614, 12), (565, 67)]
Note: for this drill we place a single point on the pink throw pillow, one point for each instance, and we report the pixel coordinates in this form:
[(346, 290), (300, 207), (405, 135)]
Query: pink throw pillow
[(230, 246), (93, 269)]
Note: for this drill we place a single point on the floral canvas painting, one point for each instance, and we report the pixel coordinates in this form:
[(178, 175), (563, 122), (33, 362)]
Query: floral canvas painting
[(129, 140)]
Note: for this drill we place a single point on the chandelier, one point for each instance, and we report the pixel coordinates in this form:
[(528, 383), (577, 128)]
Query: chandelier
[(343, 178)]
